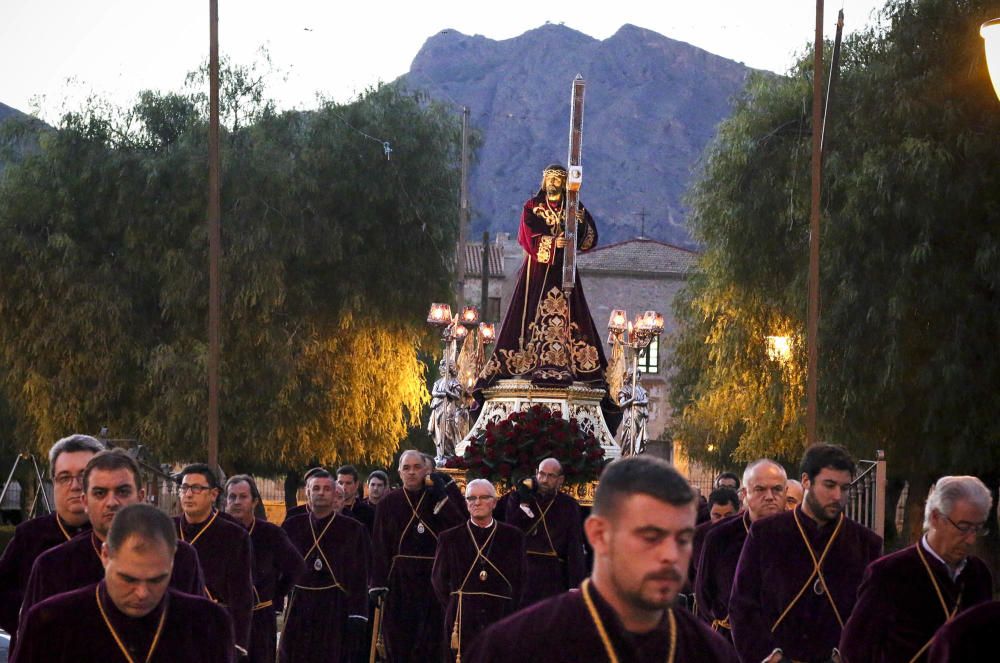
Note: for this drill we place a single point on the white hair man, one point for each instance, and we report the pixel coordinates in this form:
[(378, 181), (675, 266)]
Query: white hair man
[(762, 494), (906, 596), (67, 459), (479, 569)]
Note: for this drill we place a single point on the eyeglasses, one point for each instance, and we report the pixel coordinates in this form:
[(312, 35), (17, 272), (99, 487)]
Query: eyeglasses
[(479, 498), (69, 479), (192, 488), (968, 528)]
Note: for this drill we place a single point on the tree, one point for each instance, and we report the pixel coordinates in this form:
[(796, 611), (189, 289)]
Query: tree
[(330, 252), (909, 257)]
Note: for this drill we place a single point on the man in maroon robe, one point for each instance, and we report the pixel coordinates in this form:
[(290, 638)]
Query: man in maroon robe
[(906, 596), (299, 509), (328, 611), (640, 528), (277, 564), (763, 495), (67, 458), (354, 506), (223, 548), (799, 571), (479, 570), (722, 503), (553, 528), (406, 533), (969, 638), (110, 483), (131, 614)]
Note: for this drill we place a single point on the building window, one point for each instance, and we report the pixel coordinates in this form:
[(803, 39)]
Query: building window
[(492, 310), (650, 361)]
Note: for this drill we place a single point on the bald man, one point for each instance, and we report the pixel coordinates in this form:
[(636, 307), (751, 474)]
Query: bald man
[(553, 527)]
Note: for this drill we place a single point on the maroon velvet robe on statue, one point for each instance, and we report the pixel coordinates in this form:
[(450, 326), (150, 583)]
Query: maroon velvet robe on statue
[(561, 630), (77, 563), (323, 599), (898, 610), (554, 544), (277, 564), (226, 558), (720, 553), (403, 555), (31, 539), (969, 638), (528, 346), (69, 628), (774, 565), (479, 601)]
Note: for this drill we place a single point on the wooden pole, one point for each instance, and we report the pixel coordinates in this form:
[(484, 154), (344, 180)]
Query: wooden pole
[(812, 320), (484, 298), (463, 214), (214, 237)]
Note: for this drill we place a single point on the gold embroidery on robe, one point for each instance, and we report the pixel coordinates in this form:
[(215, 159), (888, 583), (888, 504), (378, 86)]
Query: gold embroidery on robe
[(544, 253), (547, 344), (588, 239)]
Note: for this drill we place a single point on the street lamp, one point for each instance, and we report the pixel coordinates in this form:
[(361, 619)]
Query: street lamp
[(990, 32), (779, 348), (636, 336)]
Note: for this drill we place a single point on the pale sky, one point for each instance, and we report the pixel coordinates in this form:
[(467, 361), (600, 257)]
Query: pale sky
[(54, 53)]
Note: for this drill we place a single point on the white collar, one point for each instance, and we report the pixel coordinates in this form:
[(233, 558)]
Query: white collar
[(487, 526), (952, 573)]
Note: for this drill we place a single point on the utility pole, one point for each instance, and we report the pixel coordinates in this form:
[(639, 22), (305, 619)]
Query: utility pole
[(484, 299), (463, 214), (812, 316), (214, 237)]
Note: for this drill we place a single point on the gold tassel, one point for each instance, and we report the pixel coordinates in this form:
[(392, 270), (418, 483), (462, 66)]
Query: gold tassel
[(454, 636)]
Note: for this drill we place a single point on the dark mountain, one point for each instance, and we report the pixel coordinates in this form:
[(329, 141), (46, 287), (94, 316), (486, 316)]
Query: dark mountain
[(15, 144), (652, 106)]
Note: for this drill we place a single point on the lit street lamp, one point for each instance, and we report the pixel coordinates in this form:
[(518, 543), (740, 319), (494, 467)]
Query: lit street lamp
[(637, 337), (990, 32)]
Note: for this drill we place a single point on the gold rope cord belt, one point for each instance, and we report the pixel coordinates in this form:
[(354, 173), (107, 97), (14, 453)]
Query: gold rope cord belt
[(118, 640), (722, 623), (262, 605), (456, 632), (602, 632), (545, 525), (335, 585), (817, 571), (948, 614), (395, 557)]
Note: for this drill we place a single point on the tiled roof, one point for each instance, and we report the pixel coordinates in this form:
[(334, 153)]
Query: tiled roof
[(638, 255), (474, 259)]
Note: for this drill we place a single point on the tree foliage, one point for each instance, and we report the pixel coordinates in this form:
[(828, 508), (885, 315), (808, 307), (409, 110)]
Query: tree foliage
[(910, 266), (330, 252)]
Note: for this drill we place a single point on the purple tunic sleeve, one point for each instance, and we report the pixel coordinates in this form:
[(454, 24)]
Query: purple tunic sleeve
[(751, 634), (187, 576), (289, 565), (440, 573)]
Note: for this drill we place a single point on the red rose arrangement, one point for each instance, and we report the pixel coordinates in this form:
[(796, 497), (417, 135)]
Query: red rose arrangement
[(507, 451)]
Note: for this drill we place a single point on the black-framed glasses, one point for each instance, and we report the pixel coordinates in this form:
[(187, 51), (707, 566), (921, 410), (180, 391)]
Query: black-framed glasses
[(968, 528), (192, 488)]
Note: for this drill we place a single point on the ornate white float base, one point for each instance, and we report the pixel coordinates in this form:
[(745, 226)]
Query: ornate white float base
[(577, 401)]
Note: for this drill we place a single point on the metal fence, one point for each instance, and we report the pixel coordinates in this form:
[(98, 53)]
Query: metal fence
[(866, 502)]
